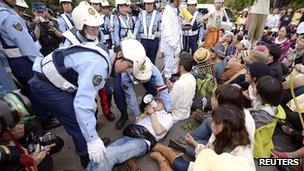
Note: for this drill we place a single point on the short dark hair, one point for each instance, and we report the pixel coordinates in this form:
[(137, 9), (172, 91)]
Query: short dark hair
[(229, 94), (186, 60), (275, 52), (270, 90)]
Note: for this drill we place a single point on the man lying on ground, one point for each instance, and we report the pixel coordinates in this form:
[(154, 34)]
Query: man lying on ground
[(138, 138)]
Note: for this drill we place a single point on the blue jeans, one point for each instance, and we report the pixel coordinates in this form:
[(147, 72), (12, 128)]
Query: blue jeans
[(180, 164), (201, 134), (120, 151)]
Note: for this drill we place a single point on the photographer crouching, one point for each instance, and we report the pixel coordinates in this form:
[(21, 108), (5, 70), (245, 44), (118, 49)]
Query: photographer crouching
[(23, 144)]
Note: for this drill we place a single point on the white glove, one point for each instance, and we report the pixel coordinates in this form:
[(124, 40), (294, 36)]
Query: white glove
[(96, 150)]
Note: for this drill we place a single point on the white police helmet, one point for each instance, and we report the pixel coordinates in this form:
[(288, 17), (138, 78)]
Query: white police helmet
[(84, 14), (21, 3), (95, 1), (60, 1), (192, 2), (148, 1), (105, 3), (120, 2), (133, 51)]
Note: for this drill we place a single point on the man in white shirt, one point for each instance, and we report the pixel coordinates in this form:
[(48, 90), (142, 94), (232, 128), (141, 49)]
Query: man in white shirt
[(213, 25), (273, 20), (183, 90), (171, 37), (258, 15)]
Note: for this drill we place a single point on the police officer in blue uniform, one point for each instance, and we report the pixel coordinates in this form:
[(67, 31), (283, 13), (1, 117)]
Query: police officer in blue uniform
[(65, 20), (147, 29), (20, 49), (193, 35), (123, 23), (152, 81), (108, 26), (67, 81)]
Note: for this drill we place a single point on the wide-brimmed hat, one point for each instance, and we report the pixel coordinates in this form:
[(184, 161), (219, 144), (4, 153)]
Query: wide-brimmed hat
[(201, 55), (219, 49)]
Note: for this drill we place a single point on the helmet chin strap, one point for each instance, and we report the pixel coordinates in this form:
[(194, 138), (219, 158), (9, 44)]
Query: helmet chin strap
[(91, 38)]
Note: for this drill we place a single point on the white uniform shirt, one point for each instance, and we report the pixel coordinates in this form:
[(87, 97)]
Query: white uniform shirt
[(181, 96)]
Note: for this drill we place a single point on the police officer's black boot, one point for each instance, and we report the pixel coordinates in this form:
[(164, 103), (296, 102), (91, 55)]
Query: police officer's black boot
[(122, 120)]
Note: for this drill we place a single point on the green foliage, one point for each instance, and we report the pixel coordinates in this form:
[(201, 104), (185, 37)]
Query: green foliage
[(237, 5)]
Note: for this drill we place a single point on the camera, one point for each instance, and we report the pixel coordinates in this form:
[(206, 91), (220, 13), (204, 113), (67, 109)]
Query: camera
[(44, 140)]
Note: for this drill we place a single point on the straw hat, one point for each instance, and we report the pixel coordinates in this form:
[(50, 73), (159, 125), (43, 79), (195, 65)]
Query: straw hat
[(201, 55)]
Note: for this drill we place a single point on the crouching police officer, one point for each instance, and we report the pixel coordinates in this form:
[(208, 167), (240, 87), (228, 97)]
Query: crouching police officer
[(152, 80), (67, 81)]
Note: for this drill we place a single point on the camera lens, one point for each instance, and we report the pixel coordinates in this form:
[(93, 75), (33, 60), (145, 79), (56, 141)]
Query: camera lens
[(47, 139)]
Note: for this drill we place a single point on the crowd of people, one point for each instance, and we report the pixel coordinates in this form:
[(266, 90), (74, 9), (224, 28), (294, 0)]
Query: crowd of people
[(243, 85)]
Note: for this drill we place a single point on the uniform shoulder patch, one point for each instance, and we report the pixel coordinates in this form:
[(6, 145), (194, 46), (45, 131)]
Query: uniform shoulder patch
[(97, 80), (17, 26)]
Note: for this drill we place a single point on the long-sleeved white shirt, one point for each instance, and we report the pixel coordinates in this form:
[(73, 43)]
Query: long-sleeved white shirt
[(181, 97), (273, 21), (171, 35)]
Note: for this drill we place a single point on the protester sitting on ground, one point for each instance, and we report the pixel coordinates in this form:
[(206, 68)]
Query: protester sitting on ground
[(259, 53), (235, 64), (297, 55), (286, 18), (273, 20), (269, 90), (276, 69), (137, 138), (224, 94), (218, 52), (254, 72), (295, 20), (183, 90), (283, 42), (293, 40), (227, 42), (230, 151)]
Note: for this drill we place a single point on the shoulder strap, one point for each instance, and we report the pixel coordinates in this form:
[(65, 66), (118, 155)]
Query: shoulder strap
[(71, 37), (67, 21), (144, 19), (194, 17), (152, 23)]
